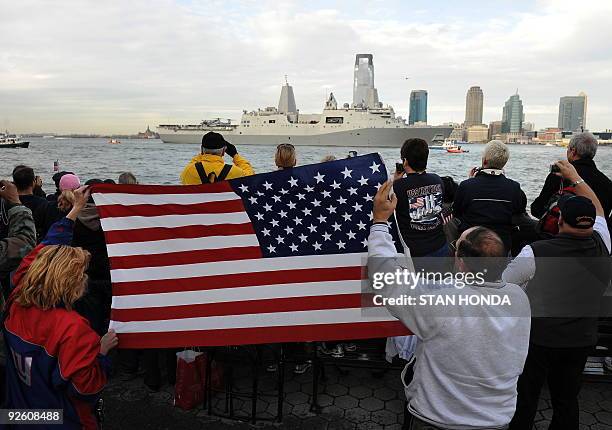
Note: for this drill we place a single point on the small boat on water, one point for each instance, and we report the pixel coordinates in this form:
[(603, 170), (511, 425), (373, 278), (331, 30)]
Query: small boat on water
[(114, 141), (12, 141), (456, 150), (447, 144)]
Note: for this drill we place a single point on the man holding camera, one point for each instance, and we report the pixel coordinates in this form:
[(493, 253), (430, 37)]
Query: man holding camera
[(488, 198), (209, 166), (580, 152), (565, 279)]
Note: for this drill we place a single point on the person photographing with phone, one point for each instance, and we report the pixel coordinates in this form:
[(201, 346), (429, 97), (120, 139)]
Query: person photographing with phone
[(419, 202)]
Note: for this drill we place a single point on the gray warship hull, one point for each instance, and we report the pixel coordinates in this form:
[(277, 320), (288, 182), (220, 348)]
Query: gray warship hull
[(359, 138)]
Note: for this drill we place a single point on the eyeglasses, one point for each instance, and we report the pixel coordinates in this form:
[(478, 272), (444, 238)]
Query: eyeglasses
[(285, 145)]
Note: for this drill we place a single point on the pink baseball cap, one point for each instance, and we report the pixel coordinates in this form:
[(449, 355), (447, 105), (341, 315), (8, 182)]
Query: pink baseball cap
[(69, 182)]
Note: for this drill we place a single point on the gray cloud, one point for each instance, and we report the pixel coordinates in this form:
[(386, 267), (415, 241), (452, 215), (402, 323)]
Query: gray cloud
[(117, 66)]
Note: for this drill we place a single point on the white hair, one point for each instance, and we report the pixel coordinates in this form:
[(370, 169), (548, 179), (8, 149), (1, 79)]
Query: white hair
[(496, 154), (585, 145)]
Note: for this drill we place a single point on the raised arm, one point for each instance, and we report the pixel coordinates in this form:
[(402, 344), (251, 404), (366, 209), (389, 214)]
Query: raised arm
[(382, 260), (551, 185), (60, 233), (569, 173)]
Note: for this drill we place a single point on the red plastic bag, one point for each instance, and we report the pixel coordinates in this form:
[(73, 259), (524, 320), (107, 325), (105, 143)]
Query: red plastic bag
[(190, 370)]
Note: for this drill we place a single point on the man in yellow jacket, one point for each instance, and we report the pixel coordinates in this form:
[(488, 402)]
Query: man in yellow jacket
[(209, 166)]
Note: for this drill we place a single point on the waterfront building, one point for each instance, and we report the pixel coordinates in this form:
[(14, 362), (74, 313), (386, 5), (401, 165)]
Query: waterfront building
[(514, 138), (458, 132), (512, 117), (550, 135), (495, 128), (572, 112), (418, 107), (473, 107), (528, 126), (477, 133)]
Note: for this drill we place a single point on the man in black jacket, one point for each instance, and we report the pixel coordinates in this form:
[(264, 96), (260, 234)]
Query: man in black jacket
[(25, 181), (488, 198), (580, 152), (565, 279)]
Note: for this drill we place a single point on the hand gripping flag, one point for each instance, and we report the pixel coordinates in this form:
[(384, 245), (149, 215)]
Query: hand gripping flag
[(275, 257)]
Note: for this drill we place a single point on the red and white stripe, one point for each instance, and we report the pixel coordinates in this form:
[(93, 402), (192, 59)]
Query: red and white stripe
[(187, 270)]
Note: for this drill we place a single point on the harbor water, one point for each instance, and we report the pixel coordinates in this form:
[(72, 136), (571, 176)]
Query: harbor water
[(154, 162)]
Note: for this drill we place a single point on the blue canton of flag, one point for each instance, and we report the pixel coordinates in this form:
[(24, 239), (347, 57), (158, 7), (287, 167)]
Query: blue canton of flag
[(315, 209)]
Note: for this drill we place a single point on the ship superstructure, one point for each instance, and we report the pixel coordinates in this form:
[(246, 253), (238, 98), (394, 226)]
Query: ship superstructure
[(364, 123)]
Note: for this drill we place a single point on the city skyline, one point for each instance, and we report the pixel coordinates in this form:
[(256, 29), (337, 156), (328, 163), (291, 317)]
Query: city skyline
[(113, 68)]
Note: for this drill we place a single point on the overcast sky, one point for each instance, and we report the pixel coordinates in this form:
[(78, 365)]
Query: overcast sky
[(116, 66)]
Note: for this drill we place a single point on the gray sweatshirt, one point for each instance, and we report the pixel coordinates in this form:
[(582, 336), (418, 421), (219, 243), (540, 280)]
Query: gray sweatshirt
[(469, 358)]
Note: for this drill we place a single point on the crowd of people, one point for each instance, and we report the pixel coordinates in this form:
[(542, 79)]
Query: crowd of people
[(554, 269), (56, 285)]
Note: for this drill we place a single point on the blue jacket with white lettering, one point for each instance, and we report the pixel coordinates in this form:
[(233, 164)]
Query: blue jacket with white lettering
[(53, 356)]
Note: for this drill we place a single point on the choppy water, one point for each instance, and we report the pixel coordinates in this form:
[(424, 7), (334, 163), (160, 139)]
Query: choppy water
[(154, 162)]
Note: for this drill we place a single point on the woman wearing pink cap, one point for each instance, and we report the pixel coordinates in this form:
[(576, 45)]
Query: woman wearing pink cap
[(67, 184)]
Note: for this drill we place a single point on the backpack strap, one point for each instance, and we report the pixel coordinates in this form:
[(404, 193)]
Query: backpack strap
[(224, 172), (201, 172)]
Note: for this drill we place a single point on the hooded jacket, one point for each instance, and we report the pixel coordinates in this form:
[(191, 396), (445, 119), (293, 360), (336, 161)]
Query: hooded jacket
[(54, 359), (214, 163)]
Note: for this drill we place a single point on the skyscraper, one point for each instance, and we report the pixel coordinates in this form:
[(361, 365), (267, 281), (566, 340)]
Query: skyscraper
[(572, 112), (418, 106), (512, 118), (473, 107), (364, 92)]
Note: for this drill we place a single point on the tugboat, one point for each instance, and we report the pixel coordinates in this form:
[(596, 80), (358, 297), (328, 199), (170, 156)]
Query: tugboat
[(449, 144), (12, 141), (456, 150)]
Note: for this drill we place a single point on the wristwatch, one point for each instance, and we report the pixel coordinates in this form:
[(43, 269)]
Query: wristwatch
[(578, 182)]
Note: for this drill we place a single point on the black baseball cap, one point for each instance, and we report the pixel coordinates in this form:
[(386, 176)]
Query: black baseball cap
[(212, 140), (56, 178), (577, 211)]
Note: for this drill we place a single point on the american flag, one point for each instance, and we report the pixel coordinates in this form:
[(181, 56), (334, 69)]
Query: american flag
[(274, 257), (416, 203)]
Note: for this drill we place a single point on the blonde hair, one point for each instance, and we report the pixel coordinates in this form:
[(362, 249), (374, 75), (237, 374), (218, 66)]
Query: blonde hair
[(65, 200), (285, 156), (127, 178), (57, 275)]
